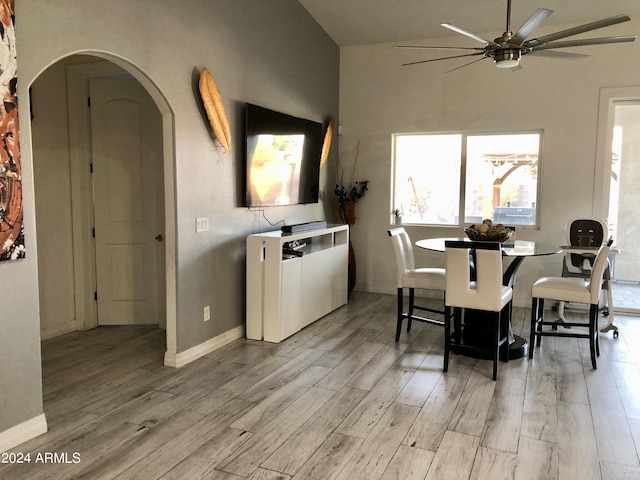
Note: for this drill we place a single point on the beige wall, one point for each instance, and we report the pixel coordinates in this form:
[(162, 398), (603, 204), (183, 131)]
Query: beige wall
[(378, 97)]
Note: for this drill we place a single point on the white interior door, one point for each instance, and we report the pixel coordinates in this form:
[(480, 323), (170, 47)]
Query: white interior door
[(127, 166)]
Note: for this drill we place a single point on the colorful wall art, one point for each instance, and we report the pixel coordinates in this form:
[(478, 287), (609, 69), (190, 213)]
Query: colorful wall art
[(11, 228)]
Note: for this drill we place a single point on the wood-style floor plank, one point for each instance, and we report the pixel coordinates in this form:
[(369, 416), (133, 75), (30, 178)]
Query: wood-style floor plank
[(293, 453), (364, 417), (491, 463), (332, 456), (435, 416), (577, 450), (502, 428), (340, 399), (537, 460), (613, 436), (263, 413), (409, 463), (470, 415), (455, 457), (539, 416), (371, 459), (247, 459)]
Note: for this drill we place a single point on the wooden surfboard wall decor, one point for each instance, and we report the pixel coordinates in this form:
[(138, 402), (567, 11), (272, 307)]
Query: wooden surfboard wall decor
[(215, 109)]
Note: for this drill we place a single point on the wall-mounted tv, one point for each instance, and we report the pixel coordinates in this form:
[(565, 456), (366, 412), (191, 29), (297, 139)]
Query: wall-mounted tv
[(282, 158)]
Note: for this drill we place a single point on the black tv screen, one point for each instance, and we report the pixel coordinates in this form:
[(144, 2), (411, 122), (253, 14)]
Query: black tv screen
[(282, 158)]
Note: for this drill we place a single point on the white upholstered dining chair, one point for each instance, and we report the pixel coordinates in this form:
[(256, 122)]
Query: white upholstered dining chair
[(411, 278), (573, 289), (465, 296)]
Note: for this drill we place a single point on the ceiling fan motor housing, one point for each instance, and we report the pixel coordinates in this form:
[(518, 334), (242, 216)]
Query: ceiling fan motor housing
[(507, 58)]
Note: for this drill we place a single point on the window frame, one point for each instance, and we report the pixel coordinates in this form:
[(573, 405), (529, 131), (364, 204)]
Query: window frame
[(464, 135)]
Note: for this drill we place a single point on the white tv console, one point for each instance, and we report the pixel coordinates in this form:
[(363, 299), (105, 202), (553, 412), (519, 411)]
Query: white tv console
[(284, 295)]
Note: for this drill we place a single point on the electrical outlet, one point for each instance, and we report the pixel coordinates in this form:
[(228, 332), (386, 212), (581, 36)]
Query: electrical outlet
[(207, 313), (202, 224)]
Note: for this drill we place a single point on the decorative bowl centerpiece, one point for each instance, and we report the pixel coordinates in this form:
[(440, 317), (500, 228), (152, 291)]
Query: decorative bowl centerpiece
[(487, 231)]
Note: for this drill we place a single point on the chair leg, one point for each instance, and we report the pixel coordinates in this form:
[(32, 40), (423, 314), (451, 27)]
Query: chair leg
[(593, 331), (610, 302), (496, 350), (399, 324), (447, 337), (540, 315), (534, 323), (504, 332), (410, 313)]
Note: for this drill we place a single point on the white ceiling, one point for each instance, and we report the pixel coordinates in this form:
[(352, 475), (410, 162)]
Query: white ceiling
[(363, 22)]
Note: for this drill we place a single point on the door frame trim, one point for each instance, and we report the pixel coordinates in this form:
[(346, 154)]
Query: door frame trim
[(84, 271), (609, 96), (78, 76), (606, 117)]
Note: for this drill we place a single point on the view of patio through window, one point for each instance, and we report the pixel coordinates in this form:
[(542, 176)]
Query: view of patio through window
[(442, 178)]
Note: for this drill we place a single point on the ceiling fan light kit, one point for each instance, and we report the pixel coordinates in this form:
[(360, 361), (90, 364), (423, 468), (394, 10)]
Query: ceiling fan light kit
[(507, 58), (506, 51)]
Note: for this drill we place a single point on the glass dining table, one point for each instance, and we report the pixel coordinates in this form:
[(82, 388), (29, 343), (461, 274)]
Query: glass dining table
[(516, 251)]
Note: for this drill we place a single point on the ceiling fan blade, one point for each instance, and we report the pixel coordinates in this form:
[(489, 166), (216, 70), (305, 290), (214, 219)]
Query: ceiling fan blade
[(467, 34), (466, 65), (586, 41), (558, 55), (530, 25), (443, 58), (477, 49), (576, 30)]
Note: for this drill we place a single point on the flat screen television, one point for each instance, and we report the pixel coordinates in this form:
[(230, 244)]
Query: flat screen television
[(282, 158)]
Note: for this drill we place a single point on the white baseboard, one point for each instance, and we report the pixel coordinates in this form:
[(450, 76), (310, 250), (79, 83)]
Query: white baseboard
[(57, 330), (177, 360), (23, 432)]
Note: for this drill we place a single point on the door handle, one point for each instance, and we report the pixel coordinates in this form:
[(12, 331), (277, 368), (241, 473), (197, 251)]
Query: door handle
[(159, 237)]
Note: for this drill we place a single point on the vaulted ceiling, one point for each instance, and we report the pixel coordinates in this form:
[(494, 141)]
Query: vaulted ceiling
[(363, 22)]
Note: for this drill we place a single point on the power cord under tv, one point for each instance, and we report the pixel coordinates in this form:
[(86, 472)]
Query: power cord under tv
[(261, 210)]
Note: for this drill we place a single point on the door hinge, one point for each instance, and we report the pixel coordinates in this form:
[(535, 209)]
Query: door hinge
[(95, 295), (89, 102), (93, 232), (91, 167)]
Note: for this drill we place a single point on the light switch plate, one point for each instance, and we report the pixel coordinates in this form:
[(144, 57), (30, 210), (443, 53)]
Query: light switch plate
[(202, 224)]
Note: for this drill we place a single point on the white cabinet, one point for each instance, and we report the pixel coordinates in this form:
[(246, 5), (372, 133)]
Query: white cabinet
[(284, 295)]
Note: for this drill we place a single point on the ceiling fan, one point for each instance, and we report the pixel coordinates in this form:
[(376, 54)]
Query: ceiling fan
[(507, 50)]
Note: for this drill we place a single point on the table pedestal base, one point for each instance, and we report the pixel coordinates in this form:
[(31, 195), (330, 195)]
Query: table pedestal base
[(476, 331), (518, 349)]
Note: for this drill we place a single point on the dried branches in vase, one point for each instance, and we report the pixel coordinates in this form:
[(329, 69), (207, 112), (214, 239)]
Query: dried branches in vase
[(348, 193)]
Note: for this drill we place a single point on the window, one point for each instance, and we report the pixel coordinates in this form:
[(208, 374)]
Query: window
[(441, 178)]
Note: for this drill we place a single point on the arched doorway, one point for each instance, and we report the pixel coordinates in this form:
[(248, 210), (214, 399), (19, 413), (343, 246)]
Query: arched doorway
[(64, 193)]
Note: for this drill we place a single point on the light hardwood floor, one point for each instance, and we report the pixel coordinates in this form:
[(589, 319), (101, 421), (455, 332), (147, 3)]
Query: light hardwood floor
[(340, 399)]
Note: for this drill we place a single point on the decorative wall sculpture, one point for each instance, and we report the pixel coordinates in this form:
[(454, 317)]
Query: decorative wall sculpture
[(215, 109), (11, 228)]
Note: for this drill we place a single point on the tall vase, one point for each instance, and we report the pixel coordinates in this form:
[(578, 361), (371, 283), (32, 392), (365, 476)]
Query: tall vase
[(348, 215)]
